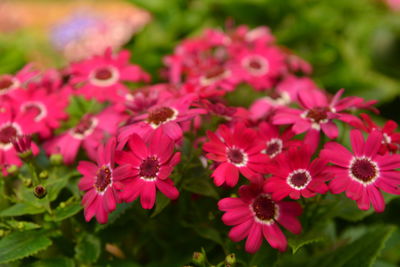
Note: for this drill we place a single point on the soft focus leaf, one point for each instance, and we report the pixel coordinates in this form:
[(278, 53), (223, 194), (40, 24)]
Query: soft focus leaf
[(161, 203), (200, 185), (21, 209), (88, 249), (58, 262), (62, 213), (22, 244)]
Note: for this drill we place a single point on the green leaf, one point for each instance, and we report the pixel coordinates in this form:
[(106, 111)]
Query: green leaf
[(54, 186), (19, 245), (200, 185), (62, 213), (88, 249), (20, 225), (59, 262), (121, 208), (161, 203), (361, 252), (21, 209)]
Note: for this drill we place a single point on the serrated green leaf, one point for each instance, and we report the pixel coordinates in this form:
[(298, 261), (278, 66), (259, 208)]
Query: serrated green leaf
[(361, 252), (88, 249), (59, 262), (21, 209), (161, 203), (200, 185), (19, 245), (62, 213)]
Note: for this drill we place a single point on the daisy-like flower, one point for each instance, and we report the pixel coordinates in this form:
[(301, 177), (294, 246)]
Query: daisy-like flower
[(10, 83), (47, 109), (102, 77), (255, 215), (236, 150), (167, 115), (391, 139), (102, 183), (295, 175), (151, 164), (363, 173), (89, 132), (12, 125)]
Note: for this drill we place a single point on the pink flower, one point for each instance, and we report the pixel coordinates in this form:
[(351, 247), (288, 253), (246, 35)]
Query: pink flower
[(102, 77), (237, 150), (151, 164), (255, 215), (102, 183), (295, 175), (364, 172), (89, 132), (166, 115), (10, 83)]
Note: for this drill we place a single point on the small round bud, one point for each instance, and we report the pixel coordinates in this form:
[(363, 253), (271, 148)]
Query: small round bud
[(56, 159), (13, 169), (62, 205), (199, 258), (20, 225), (39, 191), (231, 259), (43, 174), (27, 182)]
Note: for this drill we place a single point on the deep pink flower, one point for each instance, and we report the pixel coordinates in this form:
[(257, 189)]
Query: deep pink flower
[(102, 77), (295, 175), (89, 132), (255, 215), (10, 83), (364, 172), (166, 115), (102, 183), (151, 165), (391, 139), (237, 150)]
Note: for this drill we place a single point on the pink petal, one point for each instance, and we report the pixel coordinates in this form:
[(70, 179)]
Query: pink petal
[(240, 231), (148, 195), (330, 129), (236, 216), (254, 238), (357, 142), (229, 203), (373, 143), (275, 237), (137, 146), (168, 189), (376, 198)]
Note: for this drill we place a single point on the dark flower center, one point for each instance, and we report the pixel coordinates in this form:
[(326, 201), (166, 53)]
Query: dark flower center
[(103, 178), (35, 109), (7, 134), (274, 147), (264, 208), (160, 115), (299, 179), (84, 125), (318, 114), (235, 156), (149, 168), (255, 64), (214, 73), (103, 74), (5, 83), (364, 170)]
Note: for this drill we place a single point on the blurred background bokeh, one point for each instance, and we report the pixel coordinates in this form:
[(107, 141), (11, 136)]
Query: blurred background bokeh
[(351, 44)]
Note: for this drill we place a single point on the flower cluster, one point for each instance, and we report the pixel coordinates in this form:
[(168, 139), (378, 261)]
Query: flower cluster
[(284, 144)]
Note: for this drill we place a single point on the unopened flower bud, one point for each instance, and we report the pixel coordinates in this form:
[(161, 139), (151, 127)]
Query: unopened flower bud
[(27, 182), (56, 159), (199, 258), (43, 174), (230, 259), (40, 191), (22, 144), (13, 169)]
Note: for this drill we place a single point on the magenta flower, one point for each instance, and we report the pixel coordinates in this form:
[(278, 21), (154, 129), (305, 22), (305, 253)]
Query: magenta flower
[(363, 173), (236, 150), (89, 132), (151, 165), (295, 175), (255, 215), (9, 83), (102, 77), (102, 183)]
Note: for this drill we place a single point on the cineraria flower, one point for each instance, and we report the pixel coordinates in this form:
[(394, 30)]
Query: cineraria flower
[(166, 115), (255, 215), (89, 132), (259, 67), (9, 83), (47, 109), (364, 172), (101, 77), (391, 139), (295, 175), (13, 125), (237, 150), (102, 183), (151, 165)]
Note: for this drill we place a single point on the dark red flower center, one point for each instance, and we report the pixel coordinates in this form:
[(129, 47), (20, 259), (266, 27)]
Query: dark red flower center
[(84, 125), (5, 83), (318, 114), (364, 170), (35, 109), (255, 64), (103, 74), (103, 178), (160, 115), (264, 208), (274, 147), (7, 134), (149, 168), (235, 155), (215, 73), (299, 179)]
